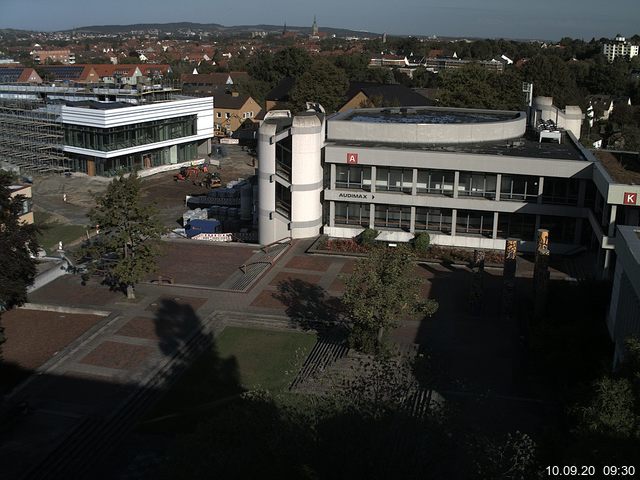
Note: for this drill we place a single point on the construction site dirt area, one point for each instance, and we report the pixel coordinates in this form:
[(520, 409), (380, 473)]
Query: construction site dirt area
[(68, 199), (200, 263), (168, 195)]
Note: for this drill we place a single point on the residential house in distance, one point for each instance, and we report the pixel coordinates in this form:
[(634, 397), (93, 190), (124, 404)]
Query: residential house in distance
[(278, 97), (70, 73), (232, 111), (363, 94), (65, 56), (118, 74), (26, 215), (619, 48), (19, 75), (603, 105), (204, 84)]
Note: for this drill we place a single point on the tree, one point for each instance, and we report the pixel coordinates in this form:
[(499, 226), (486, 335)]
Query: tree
[(475, 87), (552, 77), (291, 62), (17, 241), (324, 83), (126, 248), (382, 288)]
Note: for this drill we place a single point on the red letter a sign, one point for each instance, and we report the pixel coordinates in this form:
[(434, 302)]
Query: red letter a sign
[(352, 158)]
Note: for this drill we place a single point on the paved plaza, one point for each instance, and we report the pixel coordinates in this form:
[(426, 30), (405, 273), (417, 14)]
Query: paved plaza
[(92, 367)]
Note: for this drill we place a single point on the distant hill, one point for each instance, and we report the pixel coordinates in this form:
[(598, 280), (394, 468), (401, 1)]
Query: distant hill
[(215, 28)]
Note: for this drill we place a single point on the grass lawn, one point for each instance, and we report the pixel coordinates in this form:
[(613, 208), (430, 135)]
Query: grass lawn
[(241, 359), (266, 359), (54, 232)]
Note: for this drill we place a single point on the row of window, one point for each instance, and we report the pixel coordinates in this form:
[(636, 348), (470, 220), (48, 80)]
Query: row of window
[(519, 188), (439, 220), (227, 115), (116, 138)]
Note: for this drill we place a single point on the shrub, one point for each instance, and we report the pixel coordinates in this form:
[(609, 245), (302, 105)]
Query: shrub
[(368, 236), (421, 243)]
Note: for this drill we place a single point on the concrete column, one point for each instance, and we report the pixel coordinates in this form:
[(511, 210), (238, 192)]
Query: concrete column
[(582, 190), (498, 186), (454, 219), (373, 179), (412, 224), (332, 177), (607, 262), (372, 215), (537, 222), (414, 187), (540, 189), (332, 214), (612, 220), (494, 235), (456, 182)]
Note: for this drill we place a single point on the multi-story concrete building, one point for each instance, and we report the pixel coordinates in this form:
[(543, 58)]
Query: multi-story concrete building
[(471, 178), (619, 48)]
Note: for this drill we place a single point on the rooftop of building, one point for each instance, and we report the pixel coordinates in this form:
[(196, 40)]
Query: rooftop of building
[(427, 116), (623, 167), (527, 146)]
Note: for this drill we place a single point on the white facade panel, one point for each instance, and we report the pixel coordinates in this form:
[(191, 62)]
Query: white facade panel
[(116, 117)]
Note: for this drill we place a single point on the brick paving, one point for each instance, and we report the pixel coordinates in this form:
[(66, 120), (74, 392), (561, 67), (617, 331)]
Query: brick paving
[(169, 314), (305, 262), (200, 263), (290, 276), (34, 336), (193, 302), (117, 355), (69, 290), (139, 327)]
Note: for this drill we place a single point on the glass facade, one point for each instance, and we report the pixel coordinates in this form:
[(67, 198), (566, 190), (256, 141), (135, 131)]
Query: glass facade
[(477, 185), (394, 179), (435, 182), (109, 167), (283, 200), (472, 222), (520, 226), (519, 188), (126, 136), (561, 229), (352, 214), (283, 158), (348, 176), (433, 220), (392, 216), (562, 191)]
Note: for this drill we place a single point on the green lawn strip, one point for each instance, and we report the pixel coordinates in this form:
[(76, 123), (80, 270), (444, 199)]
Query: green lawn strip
[(53, 232), (267, 359), (241, 359)]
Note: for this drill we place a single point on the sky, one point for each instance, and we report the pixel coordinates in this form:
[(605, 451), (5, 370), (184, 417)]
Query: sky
[(535, 19)]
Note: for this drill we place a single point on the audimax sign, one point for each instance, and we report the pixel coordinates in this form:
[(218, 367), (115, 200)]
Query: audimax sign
[(363, 196)]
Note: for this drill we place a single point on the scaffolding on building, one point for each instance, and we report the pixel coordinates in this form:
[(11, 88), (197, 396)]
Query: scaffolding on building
[(31, 138)]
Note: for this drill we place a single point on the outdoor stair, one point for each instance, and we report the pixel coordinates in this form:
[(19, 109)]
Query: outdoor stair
[(248, 273), (324, 354)]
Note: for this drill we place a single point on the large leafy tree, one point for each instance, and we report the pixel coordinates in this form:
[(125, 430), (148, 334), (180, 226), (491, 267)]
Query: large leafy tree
[(324, 83), (17, 241), (126, 248), (473, 86), (383, 287)]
